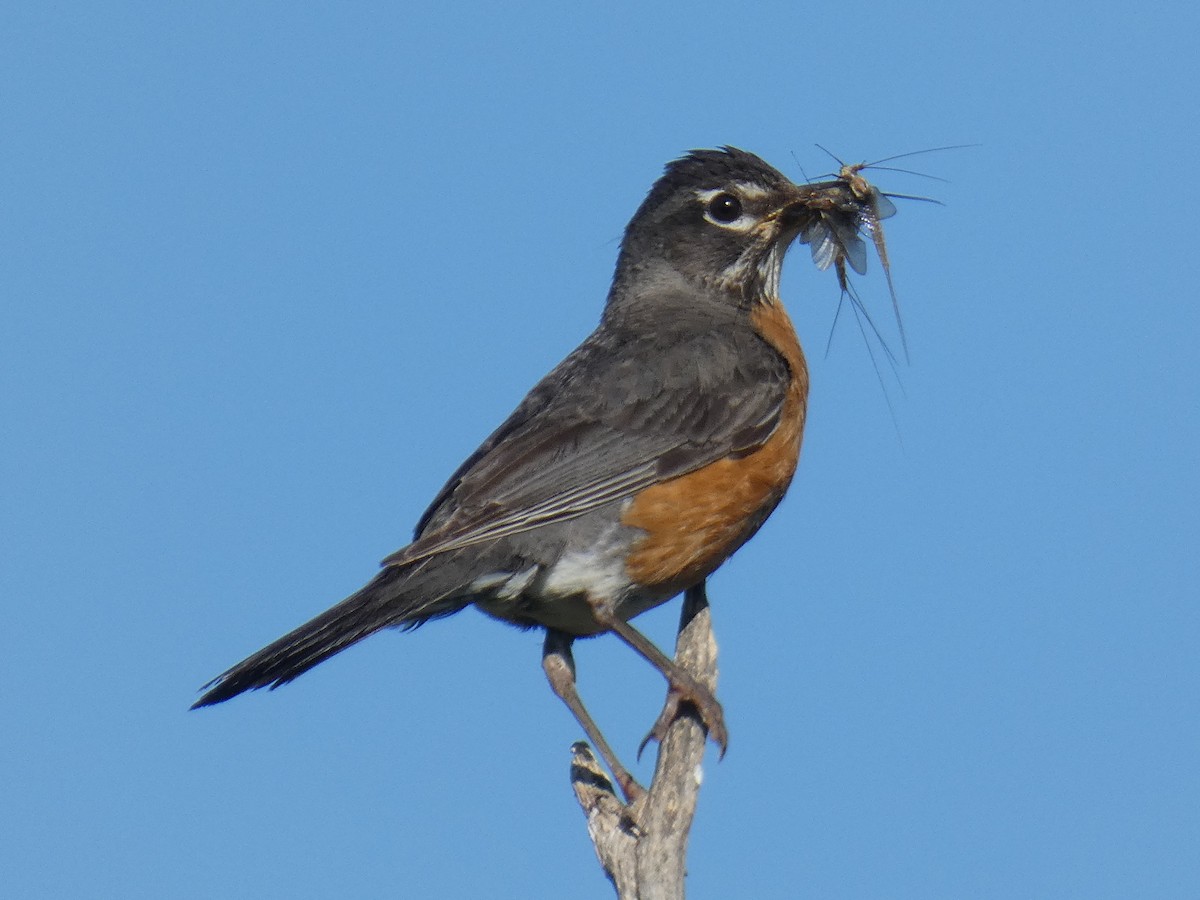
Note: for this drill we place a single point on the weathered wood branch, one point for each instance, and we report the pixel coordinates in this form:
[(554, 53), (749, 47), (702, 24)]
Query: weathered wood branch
[(643, 846)]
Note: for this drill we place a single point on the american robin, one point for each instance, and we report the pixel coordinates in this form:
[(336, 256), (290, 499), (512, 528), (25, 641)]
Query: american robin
[(641, 462)]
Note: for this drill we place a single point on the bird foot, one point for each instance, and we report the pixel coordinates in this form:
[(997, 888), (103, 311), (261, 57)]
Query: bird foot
[(686, 694)]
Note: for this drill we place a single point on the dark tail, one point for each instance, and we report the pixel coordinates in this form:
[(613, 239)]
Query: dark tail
[(389, 600)]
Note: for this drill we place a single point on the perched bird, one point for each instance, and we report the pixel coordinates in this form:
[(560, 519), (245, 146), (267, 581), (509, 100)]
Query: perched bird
[(641, 462)]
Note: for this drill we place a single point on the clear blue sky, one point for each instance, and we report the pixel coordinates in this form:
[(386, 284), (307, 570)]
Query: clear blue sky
[(269, 272)]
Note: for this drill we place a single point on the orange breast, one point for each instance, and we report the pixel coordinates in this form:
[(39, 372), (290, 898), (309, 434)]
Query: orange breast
[(694, 522)]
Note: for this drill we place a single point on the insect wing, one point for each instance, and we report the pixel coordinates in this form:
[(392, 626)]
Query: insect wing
[(884, 208), (852, 246), (818, 235)]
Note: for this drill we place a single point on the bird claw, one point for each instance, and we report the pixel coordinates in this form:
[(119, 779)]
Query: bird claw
[(696, 698)]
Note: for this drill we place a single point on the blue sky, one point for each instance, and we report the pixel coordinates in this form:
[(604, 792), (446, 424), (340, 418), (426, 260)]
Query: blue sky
[(270, 271)]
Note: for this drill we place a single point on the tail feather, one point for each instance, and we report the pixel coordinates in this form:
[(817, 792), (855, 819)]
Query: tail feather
[(386, 601)]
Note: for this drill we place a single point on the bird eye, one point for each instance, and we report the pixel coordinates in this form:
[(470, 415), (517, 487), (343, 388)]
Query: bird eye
[(724, 208)]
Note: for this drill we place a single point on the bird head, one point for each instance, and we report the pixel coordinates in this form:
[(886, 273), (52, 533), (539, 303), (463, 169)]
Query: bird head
[(717, 219)]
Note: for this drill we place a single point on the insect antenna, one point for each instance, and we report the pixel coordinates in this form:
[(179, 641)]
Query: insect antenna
[(908, 172), (872, 165), (832, 156), (796, 160)]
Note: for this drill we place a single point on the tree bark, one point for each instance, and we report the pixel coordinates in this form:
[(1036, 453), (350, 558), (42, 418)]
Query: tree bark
[(643, 846)]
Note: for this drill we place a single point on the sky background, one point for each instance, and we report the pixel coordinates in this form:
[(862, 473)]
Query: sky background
[(270, 271)]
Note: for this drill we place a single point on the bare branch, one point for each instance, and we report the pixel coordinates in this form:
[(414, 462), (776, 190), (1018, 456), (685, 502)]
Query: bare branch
[(643, 847)]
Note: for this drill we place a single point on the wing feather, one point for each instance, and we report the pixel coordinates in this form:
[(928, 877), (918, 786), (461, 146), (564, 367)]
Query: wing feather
[(614, 418)]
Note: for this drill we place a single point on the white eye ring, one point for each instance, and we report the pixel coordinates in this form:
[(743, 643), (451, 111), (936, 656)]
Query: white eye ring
[(726, 209)]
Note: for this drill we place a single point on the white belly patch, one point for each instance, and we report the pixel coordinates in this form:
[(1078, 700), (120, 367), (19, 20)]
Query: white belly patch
[(597, 572)]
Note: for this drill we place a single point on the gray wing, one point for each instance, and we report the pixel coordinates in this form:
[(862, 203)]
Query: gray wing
[(614, 418)]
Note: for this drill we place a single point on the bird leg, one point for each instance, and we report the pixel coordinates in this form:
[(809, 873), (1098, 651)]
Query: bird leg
[(682, 686), (559, 665)]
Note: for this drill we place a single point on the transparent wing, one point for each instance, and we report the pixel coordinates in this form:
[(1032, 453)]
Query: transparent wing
[(820, 238), (853, 248), (884, 208), (832, 238)]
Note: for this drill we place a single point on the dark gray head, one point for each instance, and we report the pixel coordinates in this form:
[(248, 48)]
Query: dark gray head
[(715, 219)]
